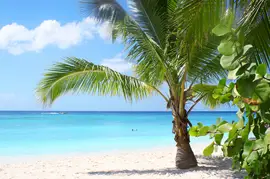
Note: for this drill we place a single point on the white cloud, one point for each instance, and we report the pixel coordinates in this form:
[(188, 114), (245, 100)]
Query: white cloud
[(105, 31), (17, 39), (117, 63)]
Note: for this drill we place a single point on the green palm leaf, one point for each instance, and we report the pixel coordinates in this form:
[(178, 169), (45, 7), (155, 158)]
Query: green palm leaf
[(195, 18), (140, 37), (78, 75), (256, 23), (144, 52), (204, 64), (104, 10), (153, 17), (204, 92)]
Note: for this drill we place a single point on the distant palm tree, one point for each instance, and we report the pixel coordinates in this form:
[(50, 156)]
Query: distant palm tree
[(168, 41)]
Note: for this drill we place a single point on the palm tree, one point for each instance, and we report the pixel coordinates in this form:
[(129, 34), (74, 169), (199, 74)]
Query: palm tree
[(168, 41)]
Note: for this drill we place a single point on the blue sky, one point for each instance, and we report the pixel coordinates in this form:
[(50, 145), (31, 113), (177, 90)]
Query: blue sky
[(36, 34)]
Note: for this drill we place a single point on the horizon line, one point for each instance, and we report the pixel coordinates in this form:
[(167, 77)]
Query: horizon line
[(103, 111)]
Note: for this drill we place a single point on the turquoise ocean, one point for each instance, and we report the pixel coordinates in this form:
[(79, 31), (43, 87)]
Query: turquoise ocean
[(42, 133)]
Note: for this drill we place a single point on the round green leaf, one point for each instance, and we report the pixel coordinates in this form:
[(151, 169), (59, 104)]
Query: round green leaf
[(226, 47), (236, 148), (203, 131), (246, 86), (225, 127), (261, 70), (257, 77), (258, 144), (247, 148), (232, 74), (212, 128), (218, 90), (208, 150), (193, 131), (268, 77), (232, 132), (225, 98), (267, 139), (235, 101), (242, 69), (262, 90), (218, 138), (220, 122), (231, 86), (241, 37), (229, 62), (247, 48), (245, 132), (240, 124), (254, 107), (228, 18), (222, 82), (221, 30), (215, 96), (200, 124), (253, 157)]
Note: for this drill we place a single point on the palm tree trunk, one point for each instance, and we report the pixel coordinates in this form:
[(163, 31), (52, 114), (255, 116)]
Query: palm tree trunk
[(185, 157)]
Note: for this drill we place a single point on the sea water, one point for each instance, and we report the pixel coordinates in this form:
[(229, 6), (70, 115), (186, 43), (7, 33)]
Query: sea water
[(38, 133)]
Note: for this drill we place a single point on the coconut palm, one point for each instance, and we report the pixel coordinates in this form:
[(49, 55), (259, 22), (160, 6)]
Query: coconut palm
[(255, 23), (169, 42)]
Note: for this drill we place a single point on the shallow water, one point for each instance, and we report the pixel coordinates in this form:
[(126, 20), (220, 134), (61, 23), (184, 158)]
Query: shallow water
[(35, 133)]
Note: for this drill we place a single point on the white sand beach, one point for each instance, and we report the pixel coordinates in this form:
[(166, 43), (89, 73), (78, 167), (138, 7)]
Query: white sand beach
[(138, 164)]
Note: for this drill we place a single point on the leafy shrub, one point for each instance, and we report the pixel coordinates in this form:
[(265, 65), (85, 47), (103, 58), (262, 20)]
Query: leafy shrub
[(249, 89)]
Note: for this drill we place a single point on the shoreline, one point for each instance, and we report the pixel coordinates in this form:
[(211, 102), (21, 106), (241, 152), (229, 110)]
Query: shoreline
[(163, 145), (11, 159), (154, 163)]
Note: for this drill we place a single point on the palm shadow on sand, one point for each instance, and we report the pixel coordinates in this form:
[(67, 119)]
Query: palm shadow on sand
[(205, 164)]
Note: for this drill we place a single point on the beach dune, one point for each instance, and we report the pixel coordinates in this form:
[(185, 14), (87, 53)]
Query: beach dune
[(156, 163)]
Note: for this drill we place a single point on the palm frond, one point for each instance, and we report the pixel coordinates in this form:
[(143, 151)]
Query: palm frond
[(153, 17), (205, 92), (204, 64), (143, 51), (196, 18), (78, 75), (144, 13), (104, 10), (256, 24), (139, 33)]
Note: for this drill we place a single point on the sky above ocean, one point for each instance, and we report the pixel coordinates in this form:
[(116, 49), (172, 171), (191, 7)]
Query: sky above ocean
[(36, 34)]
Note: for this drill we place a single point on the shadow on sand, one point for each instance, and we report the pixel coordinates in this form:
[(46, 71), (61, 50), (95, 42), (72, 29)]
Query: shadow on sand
[(205, 164)]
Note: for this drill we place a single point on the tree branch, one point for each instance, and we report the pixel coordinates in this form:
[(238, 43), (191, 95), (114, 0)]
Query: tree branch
[(251, 101), (191, 84), (182, 94), (195, 103), (157, 90)]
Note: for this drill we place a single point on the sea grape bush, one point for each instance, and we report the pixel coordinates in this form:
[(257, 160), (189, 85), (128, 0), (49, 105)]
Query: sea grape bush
[(247, 140)]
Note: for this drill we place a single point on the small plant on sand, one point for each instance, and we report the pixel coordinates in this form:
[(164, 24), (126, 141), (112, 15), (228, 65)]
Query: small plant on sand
[(247, 141)]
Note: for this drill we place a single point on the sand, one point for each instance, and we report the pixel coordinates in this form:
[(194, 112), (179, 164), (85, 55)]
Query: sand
[(156, 163)]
